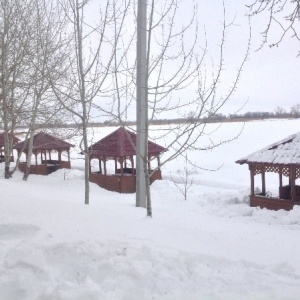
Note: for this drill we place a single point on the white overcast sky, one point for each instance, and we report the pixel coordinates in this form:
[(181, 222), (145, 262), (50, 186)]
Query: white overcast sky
[(271, 75)]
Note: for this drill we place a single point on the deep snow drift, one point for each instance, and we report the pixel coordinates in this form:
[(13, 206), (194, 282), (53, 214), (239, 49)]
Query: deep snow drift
[(212, 246)]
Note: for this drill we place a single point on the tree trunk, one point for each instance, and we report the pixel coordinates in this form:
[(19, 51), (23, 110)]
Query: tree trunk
[(148, 193), (82, 79), (86, 166), (7, 153), (28, 156)]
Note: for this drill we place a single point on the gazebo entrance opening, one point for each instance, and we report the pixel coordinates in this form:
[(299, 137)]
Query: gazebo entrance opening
[(272, 183)]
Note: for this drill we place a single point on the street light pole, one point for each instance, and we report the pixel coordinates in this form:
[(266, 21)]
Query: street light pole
[(142, 107)]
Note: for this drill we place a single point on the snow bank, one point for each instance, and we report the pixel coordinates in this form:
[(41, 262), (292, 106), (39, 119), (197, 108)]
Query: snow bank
[(212, 246)]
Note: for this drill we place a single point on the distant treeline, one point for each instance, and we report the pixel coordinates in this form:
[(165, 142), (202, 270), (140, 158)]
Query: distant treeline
[(246, 117)]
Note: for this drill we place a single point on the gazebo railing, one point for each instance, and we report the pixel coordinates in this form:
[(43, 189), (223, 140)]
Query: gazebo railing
[(272, 202)]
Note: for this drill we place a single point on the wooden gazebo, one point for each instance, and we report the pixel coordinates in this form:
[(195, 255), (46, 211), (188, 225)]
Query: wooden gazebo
[(119, 146), (15, 140), (282, 158), (43, 146)]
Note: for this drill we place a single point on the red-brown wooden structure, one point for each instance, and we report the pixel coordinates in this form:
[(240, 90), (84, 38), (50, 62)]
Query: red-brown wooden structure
[(282, 158), (15, 140), (119, 146), (43, 145)]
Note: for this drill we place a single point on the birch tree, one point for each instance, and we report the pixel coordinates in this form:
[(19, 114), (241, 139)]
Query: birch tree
[(91, 56), (48, 52), (15, 39)]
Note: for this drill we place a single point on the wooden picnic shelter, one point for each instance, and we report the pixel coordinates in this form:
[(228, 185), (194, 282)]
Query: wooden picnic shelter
[(119, 146), (282, 158), (15, 140), (45, 147)]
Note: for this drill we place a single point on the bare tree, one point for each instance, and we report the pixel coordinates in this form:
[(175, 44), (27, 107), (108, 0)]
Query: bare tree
[(48, 53), (175, 63), (295, 110), (279, 111), (185, 181), (15, 40), (283, 15), (92, 52), (31, 34)]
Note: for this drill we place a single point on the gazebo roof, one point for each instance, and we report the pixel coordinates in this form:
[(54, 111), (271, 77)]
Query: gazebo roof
[(284, 152), (44, 141), (120, 143), (2, 139)]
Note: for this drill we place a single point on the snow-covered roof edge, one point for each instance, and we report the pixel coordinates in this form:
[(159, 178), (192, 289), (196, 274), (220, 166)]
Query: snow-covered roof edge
[(286, 151)]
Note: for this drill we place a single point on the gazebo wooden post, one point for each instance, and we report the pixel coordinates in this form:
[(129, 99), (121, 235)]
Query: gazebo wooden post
[(100, 165), (280, 177), (59, 156), (121, 164), (290, 176), (69, 157), (45, 153), (293, 182), (50, 154), (104, 162), (132, 165), (263, 180), (35, 154), (158, 163), (116, 165), (252, 179)]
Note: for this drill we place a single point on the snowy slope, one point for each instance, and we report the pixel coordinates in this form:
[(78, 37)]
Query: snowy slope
[(212, 246)]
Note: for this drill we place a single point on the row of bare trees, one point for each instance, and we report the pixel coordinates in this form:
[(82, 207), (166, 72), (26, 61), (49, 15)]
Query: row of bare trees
[(53, 65), (77, 59), (27, 48)]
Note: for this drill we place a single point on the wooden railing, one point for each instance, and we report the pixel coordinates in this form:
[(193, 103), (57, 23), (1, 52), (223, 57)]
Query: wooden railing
[(272, 203)]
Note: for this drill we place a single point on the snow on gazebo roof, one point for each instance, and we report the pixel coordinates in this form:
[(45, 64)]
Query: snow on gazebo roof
[(121, 143), (44, 141), (2, 139), (284, 152)]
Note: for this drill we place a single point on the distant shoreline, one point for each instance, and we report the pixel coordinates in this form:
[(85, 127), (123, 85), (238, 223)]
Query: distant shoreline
[(163, 122)]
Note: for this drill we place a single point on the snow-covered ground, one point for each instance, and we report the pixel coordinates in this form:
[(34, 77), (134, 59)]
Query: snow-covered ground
[(212, 246)]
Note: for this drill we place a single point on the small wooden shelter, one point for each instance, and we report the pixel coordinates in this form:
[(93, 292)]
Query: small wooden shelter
[(44, 144), (119, 146), (282, 158), (15, 140)]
